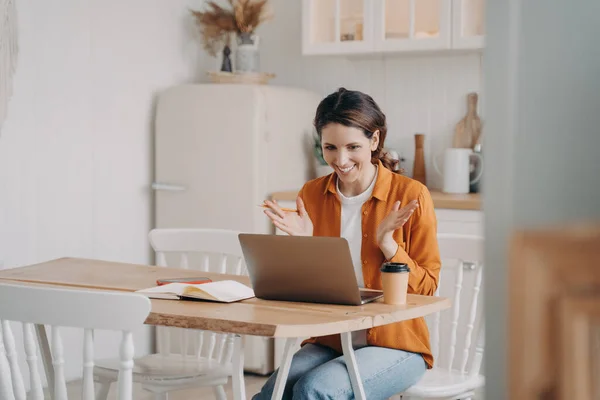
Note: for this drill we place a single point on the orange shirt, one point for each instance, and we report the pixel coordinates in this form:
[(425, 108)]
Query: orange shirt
[(417, 247)]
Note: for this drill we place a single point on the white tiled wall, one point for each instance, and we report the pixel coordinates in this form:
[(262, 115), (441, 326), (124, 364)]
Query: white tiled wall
[(419, 94)]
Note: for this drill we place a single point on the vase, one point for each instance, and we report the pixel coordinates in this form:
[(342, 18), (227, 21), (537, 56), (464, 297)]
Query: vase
[(419, 161), (246, 55)]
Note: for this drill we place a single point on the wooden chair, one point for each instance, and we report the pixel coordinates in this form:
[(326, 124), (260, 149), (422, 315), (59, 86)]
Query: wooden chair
[(59, 307), (210, 361), (458, 356)]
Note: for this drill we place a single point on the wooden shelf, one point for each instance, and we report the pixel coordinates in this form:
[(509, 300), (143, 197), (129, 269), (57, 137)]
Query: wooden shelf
[(471, 201), (258, 78)]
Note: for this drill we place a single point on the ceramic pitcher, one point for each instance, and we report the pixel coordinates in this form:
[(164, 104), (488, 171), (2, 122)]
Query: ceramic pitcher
[(457, 169)]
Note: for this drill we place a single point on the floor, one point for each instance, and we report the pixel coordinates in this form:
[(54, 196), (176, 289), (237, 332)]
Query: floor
[(253, 385)]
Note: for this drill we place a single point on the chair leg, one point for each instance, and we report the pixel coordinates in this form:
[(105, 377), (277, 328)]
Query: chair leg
[(237, 380), (102, 389), (220, 392)]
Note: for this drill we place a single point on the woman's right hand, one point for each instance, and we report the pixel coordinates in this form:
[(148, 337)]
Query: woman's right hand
[(292, 223)]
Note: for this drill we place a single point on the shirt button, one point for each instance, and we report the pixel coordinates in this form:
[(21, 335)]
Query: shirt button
[(365, 235), (364, 212), (364, 261)]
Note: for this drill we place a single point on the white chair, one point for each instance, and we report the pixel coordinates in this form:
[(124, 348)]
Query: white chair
[(60, 307), (456, 374), (211, 361)]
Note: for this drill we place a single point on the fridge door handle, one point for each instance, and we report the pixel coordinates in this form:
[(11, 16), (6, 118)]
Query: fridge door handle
[(167, 186)]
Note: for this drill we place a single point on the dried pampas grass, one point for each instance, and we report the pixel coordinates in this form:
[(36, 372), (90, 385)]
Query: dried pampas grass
[(215, 26), (250, 14), (217, 23)]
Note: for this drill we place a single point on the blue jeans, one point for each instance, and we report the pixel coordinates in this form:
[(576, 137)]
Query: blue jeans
[(319, 373)]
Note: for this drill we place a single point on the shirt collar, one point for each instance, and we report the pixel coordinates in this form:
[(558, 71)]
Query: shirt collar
[(382, 183)]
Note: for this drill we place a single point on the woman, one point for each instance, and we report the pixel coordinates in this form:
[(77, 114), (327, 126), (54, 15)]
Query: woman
[(384, 216)]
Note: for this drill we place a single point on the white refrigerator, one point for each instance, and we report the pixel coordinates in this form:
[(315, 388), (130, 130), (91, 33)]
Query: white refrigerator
[(220, 150)]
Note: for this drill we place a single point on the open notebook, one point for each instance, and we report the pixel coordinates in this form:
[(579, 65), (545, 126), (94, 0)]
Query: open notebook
[(220, 291)]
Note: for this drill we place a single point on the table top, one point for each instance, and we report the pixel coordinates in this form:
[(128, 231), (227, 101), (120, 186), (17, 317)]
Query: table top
[(468, 201), (249, 317)]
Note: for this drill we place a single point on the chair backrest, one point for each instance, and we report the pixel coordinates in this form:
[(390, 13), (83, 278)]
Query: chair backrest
[(211, 250), (62, 307), (457, 338)]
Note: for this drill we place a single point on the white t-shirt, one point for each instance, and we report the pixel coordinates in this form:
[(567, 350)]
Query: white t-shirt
[(351, 230), (351, 226)]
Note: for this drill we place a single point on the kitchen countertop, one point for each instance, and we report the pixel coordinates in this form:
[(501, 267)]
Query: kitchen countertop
[(471, 201)]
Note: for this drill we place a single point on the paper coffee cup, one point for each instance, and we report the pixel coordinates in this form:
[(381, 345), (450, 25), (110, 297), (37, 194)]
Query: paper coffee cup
[(394, 279)]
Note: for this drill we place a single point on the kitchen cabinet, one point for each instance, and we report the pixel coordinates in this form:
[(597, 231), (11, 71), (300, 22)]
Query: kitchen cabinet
[(332, 27), (456, 213), (337, 26), (412, 25), (462, 222), (468, 17)]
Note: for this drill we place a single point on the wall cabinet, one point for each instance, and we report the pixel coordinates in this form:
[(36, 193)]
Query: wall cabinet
[(383, 26)]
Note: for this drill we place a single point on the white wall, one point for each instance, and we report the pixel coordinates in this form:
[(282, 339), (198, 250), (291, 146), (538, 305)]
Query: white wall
[(76, 149), (424, 94), (543, 96)]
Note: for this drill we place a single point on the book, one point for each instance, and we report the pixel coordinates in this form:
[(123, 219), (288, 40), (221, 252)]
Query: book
[(188, 281), (227, 291)]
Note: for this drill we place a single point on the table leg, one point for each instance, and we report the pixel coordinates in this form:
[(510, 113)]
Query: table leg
[(237, 380), (352, 366), (284, 367), (40, 330)]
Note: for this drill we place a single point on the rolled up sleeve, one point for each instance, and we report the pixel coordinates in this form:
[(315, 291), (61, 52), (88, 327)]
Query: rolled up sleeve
[(423, 256)]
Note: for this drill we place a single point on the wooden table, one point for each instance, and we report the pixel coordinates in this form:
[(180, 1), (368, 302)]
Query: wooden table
[(258, 317)]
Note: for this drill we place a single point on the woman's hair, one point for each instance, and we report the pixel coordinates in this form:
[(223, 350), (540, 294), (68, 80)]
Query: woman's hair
[(358, 110)]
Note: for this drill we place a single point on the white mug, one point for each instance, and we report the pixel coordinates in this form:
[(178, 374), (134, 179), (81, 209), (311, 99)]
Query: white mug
[(457, 170)]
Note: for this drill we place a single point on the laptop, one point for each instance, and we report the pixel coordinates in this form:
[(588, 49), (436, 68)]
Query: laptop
[(309, 269)]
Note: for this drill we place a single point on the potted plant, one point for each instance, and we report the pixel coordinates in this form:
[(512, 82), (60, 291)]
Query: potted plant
[(217, 24)]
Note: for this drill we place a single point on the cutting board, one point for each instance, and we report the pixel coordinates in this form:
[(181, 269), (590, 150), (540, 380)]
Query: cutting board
[(468, 130)]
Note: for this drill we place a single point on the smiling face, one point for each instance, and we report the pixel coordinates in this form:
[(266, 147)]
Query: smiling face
[(348, 151)]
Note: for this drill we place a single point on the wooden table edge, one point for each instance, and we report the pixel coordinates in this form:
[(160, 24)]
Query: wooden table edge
[(353, 322), (275, 330), (62, 284)]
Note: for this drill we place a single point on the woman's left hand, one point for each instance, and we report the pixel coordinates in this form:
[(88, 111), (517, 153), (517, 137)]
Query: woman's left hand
[(393, 221)]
